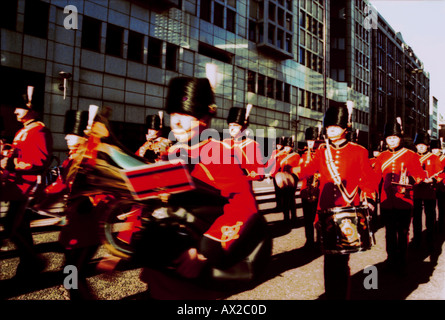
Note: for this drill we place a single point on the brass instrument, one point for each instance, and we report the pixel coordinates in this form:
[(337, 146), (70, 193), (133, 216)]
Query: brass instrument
[(404, 180), (313, 188), (157, 145)]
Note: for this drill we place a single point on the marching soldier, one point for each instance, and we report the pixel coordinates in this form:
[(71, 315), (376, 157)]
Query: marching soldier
[(310, 190), (28, 160), (440, 190), (287, 181), (156, 147), (273, 168), (190, 103), (397, 166), (245, 148), (344, 170), (425, 192)]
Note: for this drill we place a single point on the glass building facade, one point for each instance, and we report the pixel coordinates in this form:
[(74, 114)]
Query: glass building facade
[(289, 59)]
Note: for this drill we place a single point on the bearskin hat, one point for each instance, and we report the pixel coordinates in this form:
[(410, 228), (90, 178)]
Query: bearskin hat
[(237, 115), (435, 144), (192, 96), (422, 138), (153, 122), (311, 133), (392, 128), (75, 122), (336, 115)]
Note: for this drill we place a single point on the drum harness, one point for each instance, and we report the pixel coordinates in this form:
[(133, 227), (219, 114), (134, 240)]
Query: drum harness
[(348, 197)]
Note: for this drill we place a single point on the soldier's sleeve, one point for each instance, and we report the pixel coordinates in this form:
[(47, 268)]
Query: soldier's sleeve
[(305, 170), (369, 178), (415, 168)]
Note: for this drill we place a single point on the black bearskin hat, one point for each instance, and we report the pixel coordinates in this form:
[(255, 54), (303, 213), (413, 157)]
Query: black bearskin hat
[(31, 100), (280, 141), (337, 115), (392, 129), (192, 96), (435, 144), (422, 138), (153, 122), (377, 146), (288, 142), (311, 133), (75, 122), (237, 115)]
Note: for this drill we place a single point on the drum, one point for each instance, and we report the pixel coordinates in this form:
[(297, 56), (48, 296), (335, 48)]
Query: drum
[(344, 230)]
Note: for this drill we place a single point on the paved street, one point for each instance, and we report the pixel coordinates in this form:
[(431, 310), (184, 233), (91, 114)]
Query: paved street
[(295, 273)]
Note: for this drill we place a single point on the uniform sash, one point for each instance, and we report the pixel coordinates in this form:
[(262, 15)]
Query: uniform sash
[(348, 197), (395, 156)]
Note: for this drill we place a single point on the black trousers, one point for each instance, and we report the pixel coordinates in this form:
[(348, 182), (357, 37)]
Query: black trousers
[(397, 223), (18, 230), (429, 206), (278, 195), (81, 258), (336, 276), (309, 212), (289, 204), (441, 209)]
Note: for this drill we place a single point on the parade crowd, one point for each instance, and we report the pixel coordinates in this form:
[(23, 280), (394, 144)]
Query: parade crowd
[(342, 186)]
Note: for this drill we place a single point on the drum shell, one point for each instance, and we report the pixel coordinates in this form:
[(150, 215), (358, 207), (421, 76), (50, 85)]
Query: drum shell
[(344, 230)]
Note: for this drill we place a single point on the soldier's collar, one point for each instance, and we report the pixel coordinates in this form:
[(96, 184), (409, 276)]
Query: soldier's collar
[(341, 145), (27, 123), (396, 149)]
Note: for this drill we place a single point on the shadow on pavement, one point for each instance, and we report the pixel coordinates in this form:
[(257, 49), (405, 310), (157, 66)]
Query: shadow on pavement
[(398, 285)]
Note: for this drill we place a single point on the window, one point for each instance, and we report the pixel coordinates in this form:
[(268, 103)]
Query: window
[(36, 18), (171, 57), (279, 90), (252, 30), (251, 80), (286, 97), (261, 84), (91, 30), (231, 20), (8, 14), (218, 15), (154, 56), (214, 53), (114, 42), (270, 87), (135, 46), (205, 12)]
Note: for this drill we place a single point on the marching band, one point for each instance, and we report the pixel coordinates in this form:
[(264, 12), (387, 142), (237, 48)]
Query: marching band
[(209, 241)]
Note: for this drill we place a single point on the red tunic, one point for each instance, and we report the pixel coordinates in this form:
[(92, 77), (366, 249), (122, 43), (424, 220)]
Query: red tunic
[(352, 163), (432, 167), (305, 159), (214, 165), (248, 152), (389, 166), (33, 150)]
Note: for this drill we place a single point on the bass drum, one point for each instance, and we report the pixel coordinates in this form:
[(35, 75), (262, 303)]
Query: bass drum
[(140, 231), (344, 230)]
